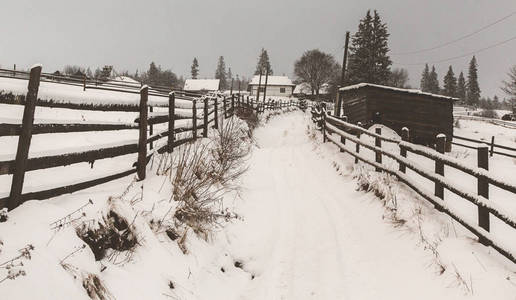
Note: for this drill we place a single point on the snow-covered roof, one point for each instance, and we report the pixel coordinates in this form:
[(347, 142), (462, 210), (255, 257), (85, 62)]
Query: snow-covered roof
[(126, 79), (304, 88), (411, 91), (272, 80), (202, 85)]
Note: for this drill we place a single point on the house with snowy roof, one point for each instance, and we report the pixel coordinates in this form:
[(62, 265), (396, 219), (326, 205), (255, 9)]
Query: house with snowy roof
[(202, 85), (276, 86)]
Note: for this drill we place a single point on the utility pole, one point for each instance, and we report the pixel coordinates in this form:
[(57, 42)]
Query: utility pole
[(259, 86), (338, 104), (265, 89), (239, 81)]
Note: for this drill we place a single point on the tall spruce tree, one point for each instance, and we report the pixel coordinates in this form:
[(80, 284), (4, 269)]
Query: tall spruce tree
[(264, 64), (450, 83), (433, 82), (369, 60), (220, 73), (461, 87), (425, 77), (195, 68), (473, 89), (229, 77)]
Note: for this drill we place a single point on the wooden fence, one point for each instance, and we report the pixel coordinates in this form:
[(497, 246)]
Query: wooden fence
[(333, 126), (205, 110), (509, 151), (236, 101), (144, 123)]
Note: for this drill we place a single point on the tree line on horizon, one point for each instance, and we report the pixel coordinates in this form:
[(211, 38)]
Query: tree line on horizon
[(369, 62)]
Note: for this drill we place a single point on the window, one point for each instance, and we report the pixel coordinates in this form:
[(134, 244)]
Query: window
[(282, 90)]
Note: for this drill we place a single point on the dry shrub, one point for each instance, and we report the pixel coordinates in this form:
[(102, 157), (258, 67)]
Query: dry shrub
[(114, 232), (95, 288), (200, 174), (383, 187)]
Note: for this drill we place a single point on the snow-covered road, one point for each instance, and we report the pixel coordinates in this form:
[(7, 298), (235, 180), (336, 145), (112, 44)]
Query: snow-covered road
[(308, 234)]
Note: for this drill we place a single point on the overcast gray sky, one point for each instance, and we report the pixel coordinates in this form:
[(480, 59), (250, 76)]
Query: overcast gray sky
[(131, 34)]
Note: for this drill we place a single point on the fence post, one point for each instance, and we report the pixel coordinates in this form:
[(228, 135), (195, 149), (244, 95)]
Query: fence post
[(248, 102), (151, 129), (224, 107), (403, 151), (357, 146), (483, 189), (194, 119), (171, 121), (24, 139), (492, 146), (378, 143), (343, 139), (142, 142), (205, 119), (232, 105), (216, 114), (440, 146), (84, 83), (323, 112)]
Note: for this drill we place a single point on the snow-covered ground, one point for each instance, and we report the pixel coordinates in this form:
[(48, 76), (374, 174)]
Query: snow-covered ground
[(303, 231)]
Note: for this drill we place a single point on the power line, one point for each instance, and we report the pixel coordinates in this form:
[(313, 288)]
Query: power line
[(460, 56), (457, 39)]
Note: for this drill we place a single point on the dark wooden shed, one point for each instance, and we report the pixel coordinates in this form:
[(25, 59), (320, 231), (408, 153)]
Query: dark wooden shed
[(425, 114)]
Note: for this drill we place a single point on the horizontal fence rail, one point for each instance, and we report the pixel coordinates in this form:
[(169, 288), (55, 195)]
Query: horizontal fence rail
[(338, 131), (509, 151)]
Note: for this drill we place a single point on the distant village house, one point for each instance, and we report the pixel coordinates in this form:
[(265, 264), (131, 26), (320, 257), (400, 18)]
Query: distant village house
[(276, 86), (202, 85)]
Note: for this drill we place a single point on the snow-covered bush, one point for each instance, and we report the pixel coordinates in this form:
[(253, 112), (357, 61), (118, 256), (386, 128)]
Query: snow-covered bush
[(113, 232), (3, 215)]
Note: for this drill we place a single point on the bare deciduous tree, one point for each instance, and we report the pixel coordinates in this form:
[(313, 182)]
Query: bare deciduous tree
[(399, 78), (509, 86), (315, 68)]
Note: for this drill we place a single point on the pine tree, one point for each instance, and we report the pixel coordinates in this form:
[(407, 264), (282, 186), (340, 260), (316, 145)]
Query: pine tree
[(220, 73), (461, 87), (89, 74), (229, 76), (105, 74), (433, 82), (473, 90), (369, 60), (195, 68), (425, 77), (153, 74), (450, 83), (263, 63)]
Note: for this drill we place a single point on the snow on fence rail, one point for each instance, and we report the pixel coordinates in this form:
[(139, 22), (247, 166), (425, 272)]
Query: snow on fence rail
[(346, 131), (183, 115)]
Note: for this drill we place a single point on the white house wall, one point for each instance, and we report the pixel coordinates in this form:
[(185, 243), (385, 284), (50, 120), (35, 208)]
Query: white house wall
[(274, 90)]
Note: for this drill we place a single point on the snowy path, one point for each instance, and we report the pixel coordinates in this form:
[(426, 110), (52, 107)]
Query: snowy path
[(308, 234)]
